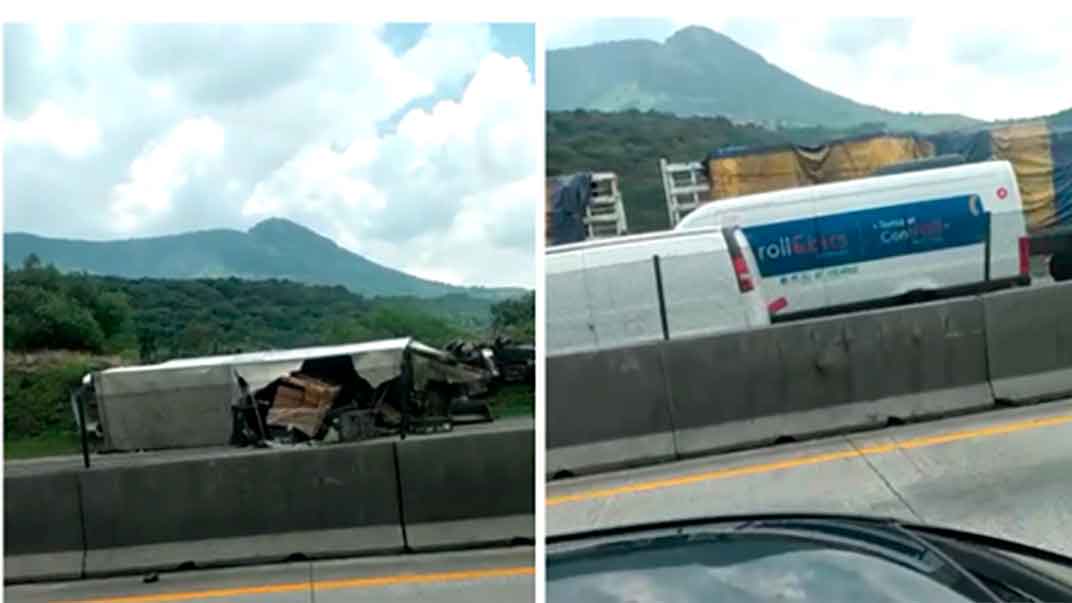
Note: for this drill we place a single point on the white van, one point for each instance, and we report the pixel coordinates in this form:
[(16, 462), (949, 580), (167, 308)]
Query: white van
[(848, 245), (629, 290)]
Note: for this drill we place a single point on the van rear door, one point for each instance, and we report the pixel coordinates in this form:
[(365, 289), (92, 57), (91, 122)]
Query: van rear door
[(620, 283), (699, 286), (1009, 244)]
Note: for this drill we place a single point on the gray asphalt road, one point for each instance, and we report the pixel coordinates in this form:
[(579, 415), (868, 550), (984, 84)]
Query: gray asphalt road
[(499, 575), (1007, 473)]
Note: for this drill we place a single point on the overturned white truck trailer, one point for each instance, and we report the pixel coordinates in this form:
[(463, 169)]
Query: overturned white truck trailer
[(187, 403)]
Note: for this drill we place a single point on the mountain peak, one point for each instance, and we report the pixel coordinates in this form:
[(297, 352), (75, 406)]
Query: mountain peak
[(278, 225), (708, 43), (281, 231), (694, 33), (699, 71)]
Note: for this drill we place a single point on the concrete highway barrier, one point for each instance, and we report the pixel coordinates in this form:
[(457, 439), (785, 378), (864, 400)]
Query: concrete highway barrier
[(157, 512), (1029, 342), (242, 508), (468, 491), (42, 527), (826, 375), (683, 397), (607, 409)]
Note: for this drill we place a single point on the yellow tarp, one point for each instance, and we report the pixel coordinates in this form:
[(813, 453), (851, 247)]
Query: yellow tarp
[(759, 173), (1027, 147), (798, 166), (859, 158)]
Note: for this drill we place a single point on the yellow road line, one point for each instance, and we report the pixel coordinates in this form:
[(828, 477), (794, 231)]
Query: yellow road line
[(921, 442), (319, 586)]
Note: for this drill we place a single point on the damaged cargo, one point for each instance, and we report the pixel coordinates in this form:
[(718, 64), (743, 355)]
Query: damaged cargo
[(310, 395), (508, 362)]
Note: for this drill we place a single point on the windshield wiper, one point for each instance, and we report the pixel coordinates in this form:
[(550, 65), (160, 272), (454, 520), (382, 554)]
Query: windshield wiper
[(989, 560)]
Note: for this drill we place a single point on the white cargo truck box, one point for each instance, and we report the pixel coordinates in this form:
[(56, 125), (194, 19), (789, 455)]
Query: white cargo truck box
[(605, 294), (862, 242)]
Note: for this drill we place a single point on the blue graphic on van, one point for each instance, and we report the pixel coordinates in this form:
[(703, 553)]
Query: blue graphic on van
[(867, 235)]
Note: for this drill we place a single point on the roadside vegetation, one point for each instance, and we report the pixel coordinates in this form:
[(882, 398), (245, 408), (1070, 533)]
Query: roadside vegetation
[(58, 327)]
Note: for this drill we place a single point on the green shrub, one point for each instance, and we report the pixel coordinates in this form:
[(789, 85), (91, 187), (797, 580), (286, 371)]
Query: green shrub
[(37, 398), (36, 319)]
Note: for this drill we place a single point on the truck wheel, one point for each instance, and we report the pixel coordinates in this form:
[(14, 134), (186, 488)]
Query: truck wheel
[(1061, 267)]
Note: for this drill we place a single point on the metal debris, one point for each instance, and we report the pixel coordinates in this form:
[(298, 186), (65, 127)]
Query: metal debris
[(309, 396)]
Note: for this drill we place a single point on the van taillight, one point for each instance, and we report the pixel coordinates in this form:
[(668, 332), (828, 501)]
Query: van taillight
[(1025, 256), (744, 277)]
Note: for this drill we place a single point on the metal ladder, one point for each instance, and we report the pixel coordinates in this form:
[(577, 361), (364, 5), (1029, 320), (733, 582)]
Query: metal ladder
[(686, 187), (605, 214)]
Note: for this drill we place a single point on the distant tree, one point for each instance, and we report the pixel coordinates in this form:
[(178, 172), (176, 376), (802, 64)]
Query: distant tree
[(158, 319), (147, 344), (81, 288), (37, 318), (387, 320), (513, 316), (338, 330), (197, 338), (60, 323), (34, 273)]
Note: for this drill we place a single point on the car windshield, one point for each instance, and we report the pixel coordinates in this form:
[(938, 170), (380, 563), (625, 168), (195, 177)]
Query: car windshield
[(746, 568), (812, 557)]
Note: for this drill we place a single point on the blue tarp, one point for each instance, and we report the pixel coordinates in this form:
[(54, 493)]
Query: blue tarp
[(972, 146), (1061, 151), (569, 201)]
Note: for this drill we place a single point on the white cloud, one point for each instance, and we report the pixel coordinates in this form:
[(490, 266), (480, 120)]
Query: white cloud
[(319, 182), (162, 135), (1020, 67), (447, 51), (50, 37), (162, 91), (449, 195), (364, 81), (165, 166), (50, 125)]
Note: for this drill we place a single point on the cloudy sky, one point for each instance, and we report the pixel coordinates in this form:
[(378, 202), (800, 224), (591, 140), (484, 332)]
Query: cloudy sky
[(995, 69), (415, 146)]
